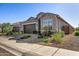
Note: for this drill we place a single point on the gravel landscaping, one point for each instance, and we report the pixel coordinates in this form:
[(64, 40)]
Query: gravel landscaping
[(70, 42)]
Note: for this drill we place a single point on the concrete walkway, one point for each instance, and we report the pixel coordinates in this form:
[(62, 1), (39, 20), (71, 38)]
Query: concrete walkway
[(28, 49)]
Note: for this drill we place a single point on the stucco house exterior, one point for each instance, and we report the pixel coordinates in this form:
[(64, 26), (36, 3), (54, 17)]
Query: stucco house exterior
[(53, 21)]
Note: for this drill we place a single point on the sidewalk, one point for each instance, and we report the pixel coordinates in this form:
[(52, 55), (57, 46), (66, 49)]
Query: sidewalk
[(34, 49)]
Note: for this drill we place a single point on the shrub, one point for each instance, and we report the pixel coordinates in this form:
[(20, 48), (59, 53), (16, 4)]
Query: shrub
[(77, 29), (76, 33), (26, 37), (7, 28), (17, 33), (47, 33), (40, 36), (45, 39), (10, 33), (57, 37), (35, 32), (62, 33)]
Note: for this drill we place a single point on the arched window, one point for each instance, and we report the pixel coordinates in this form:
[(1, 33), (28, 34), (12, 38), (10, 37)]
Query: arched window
[(47, 23)]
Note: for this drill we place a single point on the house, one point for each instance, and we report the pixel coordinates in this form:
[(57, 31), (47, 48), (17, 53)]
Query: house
[(37, 24), (28, 26)]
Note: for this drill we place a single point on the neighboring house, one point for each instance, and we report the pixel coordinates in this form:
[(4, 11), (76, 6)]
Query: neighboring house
[(53, 21), (17, 27)]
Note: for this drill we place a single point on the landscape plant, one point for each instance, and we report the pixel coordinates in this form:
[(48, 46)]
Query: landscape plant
[(58, 37), (7, 28), (46, 31), (45, 39), (77, 29), (17, 33), (76, 33), (26, 37)]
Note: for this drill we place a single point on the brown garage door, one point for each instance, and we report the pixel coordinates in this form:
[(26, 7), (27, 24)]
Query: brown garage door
[(29, 28)]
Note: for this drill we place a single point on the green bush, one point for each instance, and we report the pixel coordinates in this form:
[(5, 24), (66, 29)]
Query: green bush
[(10, 33), (47, 30), (7, 28), (35, 32), (62, 33), (76, 33), (26, 37), (77, 29), (47, 33), (57, 37), (45, 39), (17, 33)]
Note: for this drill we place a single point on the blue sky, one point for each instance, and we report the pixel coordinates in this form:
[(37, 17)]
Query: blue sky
[(20, 12)]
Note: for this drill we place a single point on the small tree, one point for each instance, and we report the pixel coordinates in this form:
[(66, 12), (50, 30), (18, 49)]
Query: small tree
[(77, 29), (47, 30), (7, 28)]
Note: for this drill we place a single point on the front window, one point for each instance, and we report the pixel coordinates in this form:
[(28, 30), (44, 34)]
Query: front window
[(47, 24)]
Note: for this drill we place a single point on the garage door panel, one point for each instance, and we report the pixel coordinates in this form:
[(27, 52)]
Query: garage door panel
[(29, 28)]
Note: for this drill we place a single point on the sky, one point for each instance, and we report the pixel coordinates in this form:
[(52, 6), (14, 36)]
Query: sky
[(16, 12)]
